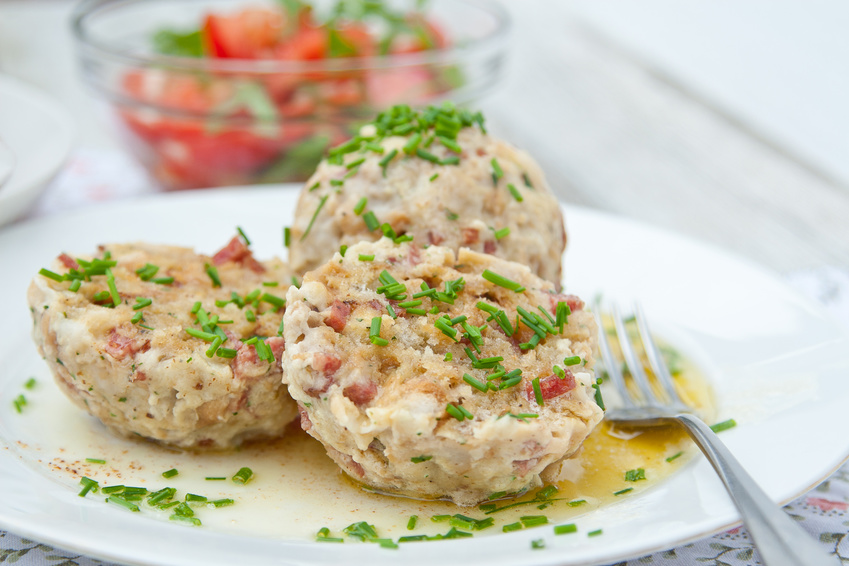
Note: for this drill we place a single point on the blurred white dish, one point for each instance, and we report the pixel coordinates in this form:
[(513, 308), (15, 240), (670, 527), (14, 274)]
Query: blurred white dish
[(7, 163), (38, 133)]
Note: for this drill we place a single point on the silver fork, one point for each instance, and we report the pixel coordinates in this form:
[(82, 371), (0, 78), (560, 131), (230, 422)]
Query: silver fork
[(780, 541)]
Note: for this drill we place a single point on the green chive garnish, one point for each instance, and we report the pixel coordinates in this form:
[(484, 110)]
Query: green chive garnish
[(287, 236), (170, 473), (364, 257), (51, 275), (371, 221), (623, 491), (572, 361), (724, 425), (420, 459), (95, 461), (221, 502), (538, 392), (635, 475), (387, 159), (565, 529), (674, 457), (515, 192), (497, 172), (212, 271), (243, 476), (361, 206), (121, 502), (538, 544), (411, 523), (314, 216), (512, 527), (88, 485), (594, 533), (501, 281)]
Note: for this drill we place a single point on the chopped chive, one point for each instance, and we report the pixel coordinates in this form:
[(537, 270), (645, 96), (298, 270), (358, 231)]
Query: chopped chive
[(501, 233), (95, 461), (455, 412), (228, 353), (88, 485), (538, 544), (243, 235), (142, 302), (420, 312), (158, 497), (527, 180), (277, 302), (112, 489), (515, 192), (533, 520), (434, 177), (342, 249), (445, 328), (213, 274), (205, 336), (512, 527), (51, 274), (724, 425), (448, 357), (31, 383), (364, 257), (75, 285), (497, 172), (121, 502), (163, 280), (243, 476), (183, 519), (147, 272), (537, 392), (329, 539), (572, 361), (391, 311), (387, 159), (215, 478), (594, 533), (483, 387), (576, 502), (113, 289), (450, 160), (336, 183), (623, 491), (501, 281), (194, 498), (427, 156), (420, 459), (565, 529), (196, 307), (213, 347), (355, 163), (674, 457), (440, 518), (221, 503), (250, 316), (451, 215), (411, 523), (360, 206), (635, 475), (315, 185), (287, 236), (371, 221), (314, 216), (412, 144), (170, 473)]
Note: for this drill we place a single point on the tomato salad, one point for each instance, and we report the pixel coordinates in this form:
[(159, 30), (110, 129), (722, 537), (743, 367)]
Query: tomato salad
[(212, 127)]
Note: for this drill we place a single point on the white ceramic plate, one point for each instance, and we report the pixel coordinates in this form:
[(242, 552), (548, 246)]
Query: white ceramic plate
[(777, 362), (38, 132)]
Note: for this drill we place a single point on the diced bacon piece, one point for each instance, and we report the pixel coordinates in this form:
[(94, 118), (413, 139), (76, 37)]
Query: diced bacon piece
[(326, 363), (120, 346), (361, 392), (551, 386), (414, 255), (522, 467), (338, 317), (489, 247), (575, 303), (139, 376), (470, 236), (434, 238), (238, 252), (306, 423), (68, 261)]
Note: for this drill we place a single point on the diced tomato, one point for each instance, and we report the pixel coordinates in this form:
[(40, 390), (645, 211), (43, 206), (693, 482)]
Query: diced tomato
[(427, 36), (249, 34)]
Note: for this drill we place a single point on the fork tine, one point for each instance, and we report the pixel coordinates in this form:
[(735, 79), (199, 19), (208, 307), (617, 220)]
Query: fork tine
[(631, 359), (656, 362), (613, 370)]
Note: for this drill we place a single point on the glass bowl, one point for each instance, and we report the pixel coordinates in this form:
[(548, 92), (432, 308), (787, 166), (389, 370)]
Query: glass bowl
[(206, 122)]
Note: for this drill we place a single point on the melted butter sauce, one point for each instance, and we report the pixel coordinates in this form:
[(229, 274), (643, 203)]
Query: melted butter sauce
[(296, 489)]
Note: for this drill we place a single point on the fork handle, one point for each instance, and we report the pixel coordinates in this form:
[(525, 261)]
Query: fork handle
[(779, 540)]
